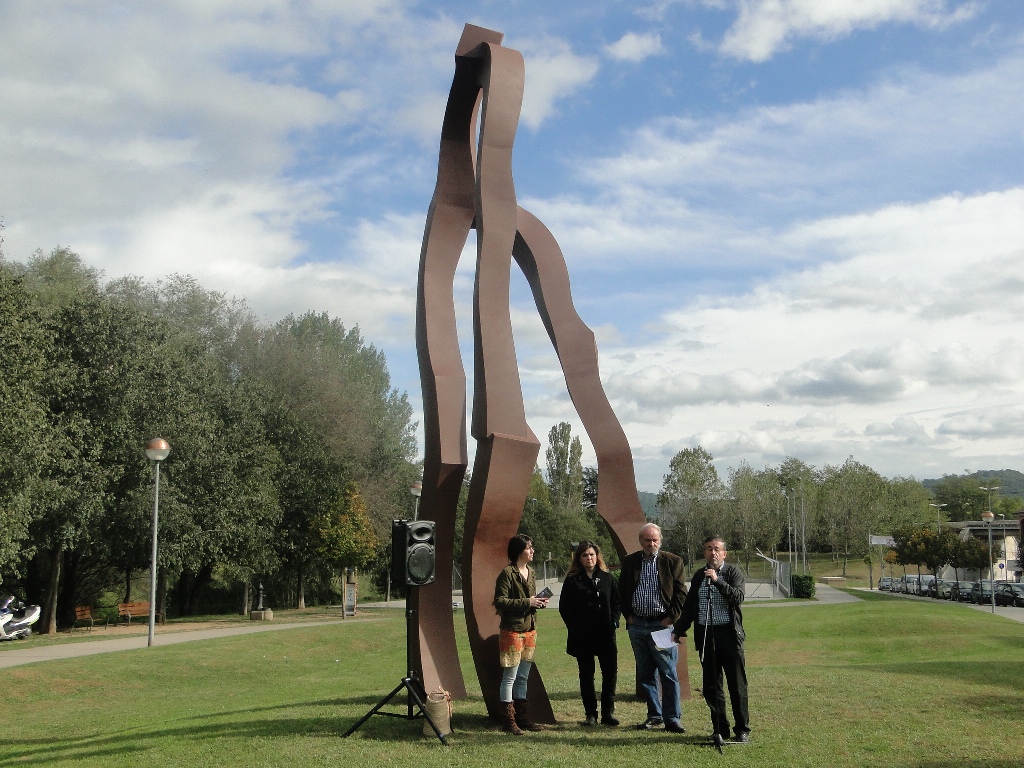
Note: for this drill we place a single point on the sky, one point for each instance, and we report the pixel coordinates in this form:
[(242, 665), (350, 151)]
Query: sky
[(795, 226)]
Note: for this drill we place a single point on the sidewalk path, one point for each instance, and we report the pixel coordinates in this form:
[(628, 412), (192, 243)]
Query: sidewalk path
[(823, 593), (18, 656)]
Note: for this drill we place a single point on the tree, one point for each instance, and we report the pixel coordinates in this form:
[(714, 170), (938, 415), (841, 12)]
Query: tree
[(939, 549), (687, 501), (590, 481), (565, 468), (853, 504), (343, 536), (908, 546), (58, 278), (1008, 506), (906, 504), (552, 528), (25, 430), (266, 426), (337, 385), (963, 498), (799, 483), (757, 511), (309, 480), (602, 537), (103, 363), (970, 554)]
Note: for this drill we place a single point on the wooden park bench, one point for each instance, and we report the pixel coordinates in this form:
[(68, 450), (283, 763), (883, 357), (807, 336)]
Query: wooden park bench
[(137, 609), (84, 613)]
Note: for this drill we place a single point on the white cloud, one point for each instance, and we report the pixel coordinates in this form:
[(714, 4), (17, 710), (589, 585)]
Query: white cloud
[(553, 72), (862, 376), (635, 47), (766, 26), (1005, 421)]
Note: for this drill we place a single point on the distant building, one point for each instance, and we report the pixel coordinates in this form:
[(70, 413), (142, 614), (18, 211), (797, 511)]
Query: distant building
[(1006, 538)]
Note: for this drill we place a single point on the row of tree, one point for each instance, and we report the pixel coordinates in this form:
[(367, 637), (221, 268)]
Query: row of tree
[(926, 547), (794, 508), (290, 454), (797, 508)]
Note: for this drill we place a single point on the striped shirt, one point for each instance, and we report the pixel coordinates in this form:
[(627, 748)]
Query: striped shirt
[(719, 606), (647, 603)]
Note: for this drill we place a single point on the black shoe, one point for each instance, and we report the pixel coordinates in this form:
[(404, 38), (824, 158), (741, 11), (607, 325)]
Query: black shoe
[(609, 720), (649, 724), (590, 722), (674, 727), (717, 741), (741, 738)]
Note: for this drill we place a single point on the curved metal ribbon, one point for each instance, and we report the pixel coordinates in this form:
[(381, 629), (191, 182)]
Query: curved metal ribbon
[(475, 189)]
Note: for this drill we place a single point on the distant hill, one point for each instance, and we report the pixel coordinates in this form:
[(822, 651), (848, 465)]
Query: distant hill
[(1010, 481), (649, 504)]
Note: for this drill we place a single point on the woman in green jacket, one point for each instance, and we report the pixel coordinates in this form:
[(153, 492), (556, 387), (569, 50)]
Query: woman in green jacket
[(515, 598)]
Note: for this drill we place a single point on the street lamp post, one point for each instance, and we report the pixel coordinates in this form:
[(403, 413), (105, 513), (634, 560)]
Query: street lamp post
[(938, 518), (157, 450), (988, 517)]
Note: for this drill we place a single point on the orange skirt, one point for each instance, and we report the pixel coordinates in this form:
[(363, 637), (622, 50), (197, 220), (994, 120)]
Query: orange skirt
[(514, 647)]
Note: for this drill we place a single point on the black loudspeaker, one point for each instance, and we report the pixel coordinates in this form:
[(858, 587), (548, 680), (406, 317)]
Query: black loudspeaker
[(412, 552)]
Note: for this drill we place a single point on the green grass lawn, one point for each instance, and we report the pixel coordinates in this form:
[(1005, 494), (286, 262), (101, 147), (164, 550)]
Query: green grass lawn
[(882, 682)]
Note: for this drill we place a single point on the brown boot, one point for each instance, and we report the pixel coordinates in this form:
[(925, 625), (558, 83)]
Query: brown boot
[(523, 717), (508, 723)]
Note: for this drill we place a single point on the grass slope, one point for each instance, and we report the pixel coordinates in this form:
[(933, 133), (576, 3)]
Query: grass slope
[(880, 682)]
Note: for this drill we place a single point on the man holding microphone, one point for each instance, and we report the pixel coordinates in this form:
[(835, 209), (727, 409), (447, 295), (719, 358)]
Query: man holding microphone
[(712, 607)]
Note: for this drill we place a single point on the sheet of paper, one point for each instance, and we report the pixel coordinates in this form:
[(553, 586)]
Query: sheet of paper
[(663, 638)]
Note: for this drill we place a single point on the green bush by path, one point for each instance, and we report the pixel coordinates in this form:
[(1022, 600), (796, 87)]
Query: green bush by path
[(873, 683)]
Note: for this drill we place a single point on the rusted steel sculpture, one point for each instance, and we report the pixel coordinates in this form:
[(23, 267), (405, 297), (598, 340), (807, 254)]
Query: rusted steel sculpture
[(475, 190)]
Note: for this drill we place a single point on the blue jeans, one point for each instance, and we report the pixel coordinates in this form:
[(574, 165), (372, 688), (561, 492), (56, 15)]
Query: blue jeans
[(652, 663), (513, 682)]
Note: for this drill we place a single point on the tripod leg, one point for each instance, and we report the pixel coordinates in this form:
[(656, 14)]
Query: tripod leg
[(373, 711), (408, 683)]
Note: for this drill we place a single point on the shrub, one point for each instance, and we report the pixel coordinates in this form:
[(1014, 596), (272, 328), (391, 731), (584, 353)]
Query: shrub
[(802, 585)]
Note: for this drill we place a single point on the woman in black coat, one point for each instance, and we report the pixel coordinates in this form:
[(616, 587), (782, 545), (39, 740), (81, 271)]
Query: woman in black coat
[(589, 606)]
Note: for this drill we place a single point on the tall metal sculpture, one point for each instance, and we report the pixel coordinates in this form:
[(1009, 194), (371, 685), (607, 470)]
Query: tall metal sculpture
[(475, 190)]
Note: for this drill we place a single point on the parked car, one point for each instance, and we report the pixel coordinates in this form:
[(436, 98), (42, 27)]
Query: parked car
[(908, 584), (981, 592), (922, 584), (940, 588), (960, 591), (885, 584), (1010, 593)]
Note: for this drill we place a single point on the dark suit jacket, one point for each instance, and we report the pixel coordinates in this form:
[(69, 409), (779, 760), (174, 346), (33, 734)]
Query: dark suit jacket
[(671, 579), (731, 583), (591, 613)]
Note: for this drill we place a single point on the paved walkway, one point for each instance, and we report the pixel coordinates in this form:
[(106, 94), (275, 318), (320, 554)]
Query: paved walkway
[(823, 593), (17, 656)]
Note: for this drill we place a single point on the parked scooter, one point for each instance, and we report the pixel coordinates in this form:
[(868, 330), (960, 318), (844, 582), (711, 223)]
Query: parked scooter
[(16, 619)]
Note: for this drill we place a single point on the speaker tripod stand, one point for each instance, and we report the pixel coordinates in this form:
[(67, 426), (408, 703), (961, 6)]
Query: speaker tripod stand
[(411, 683)]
